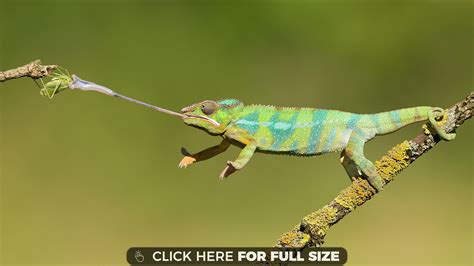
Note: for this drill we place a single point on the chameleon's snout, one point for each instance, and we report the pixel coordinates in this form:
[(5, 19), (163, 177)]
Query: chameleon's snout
[(187, 109)]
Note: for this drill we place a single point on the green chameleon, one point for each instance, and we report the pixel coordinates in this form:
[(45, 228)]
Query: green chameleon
[(287, 130), (299, 131)]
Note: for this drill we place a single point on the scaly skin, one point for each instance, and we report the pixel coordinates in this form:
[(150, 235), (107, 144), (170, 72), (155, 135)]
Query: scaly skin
[(299, 131)]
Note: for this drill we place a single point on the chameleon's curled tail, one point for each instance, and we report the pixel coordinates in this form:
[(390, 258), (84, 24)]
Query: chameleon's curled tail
[(388, 122), (438, 113)]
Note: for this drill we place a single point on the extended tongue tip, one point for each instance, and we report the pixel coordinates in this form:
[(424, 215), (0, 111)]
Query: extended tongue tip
[(78, 83)]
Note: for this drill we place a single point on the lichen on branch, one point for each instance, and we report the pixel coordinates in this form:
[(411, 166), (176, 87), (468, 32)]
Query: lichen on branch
[(313, 228)]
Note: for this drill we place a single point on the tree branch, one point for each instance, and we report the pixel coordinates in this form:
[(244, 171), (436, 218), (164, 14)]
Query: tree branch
[(313, 228), (33, 70)]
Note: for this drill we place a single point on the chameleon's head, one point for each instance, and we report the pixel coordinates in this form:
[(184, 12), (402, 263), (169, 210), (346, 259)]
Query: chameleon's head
[(212, 116)]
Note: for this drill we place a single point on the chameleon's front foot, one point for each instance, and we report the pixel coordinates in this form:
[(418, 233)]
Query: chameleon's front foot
[(230, 169), (187, 160)]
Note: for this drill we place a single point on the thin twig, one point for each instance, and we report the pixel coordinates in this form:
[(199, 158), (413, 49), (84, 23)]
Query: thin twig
[(313, 227), (33, 70)]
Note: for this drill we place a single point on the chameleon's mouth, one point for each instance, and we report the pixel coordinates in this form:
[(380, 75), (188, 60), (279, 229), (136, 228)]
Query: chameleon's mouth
[(208, 119)]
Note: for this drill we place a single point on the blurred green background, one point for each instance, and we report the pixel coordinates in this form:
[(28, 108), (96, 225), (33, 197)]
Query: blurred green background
[(84, 177)]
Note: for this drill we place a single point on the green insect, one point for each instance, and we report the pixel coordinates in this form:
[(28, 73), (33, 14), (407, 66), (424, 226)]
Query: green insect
[(60, 80)]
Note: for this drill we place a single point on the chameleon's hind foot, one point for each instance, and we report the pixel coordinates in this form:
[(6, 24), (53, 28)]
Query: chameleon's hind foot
[(376, 182), (437, 119), (230, 169), (353, 171)]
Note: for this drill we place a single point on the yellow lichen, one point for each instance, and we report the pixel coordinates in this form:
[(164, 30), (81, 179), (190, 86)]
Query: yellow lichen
[(294, 239), (305, 238), (355, 195), (322, 232), (426, 129), (396, 160), (319, 221)]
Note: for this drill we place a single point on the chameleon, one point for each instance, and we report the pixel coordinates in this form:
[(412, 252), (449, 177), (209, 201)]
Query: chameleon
[(288, 130), (299, 131)]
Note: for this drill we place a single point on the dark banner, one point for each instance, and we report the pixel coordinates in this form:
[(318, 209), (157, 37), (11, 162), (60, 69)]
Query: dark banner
[(150, 255)]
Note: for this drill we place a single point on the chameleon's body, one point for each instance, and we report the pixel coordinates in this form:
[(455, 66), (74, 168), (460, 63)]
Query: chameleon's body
[(299, 131)]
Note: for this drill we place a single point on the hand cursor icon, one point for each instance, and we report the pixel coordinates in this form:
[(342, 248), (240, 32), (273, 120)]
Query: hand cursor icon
[(139, 257)]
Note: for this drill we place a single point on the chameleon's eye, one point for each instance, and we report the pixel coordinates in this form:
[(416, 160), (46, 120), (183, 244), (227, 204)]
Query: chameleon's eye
[(208, 108)]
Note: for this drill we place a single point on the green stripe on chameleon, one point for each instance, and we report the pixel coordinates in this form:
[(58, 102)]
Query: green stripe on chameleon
[(385, 122), (333, 119), (302, 131), (303, 134), (280, 130), (266, 115), (319, 116), (286, 114), (263, 135), (330, 140), (248, 110), (410, 115)]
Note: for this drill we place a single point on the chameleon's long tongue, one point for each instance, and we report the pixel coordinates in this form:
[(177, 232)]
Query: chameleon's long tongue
[(85, 85)]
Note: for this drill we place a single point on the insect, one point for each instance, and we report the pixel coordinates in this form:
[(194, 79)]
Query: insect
[(60, 80)]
